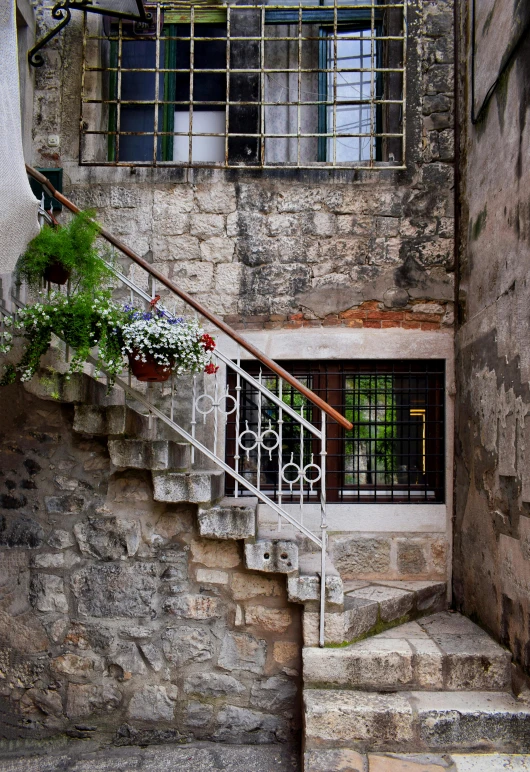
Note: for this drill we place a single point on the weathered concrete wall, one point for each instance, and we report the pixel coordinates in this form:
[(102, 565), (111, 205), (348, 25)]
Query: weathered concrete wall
[(492, 527), (287, 248), (116, 619)]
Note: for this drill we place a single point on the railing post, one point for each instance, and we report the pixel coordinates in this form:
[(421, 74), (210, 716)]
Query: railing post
[(323, 529)]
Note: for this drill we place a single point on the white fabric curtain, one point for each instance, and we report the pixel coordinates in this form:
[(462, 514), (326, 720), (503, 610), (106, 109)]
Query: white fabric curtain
[(18, 206)]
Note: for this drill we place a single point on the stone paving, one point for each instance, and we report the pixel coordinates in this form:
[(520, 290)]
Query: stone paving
[(211, 757), (351, 761)]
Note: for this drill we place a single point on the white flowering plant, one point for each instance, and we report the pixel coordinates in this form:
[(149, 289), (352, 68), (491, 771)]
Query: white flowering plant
[(173, 343), (83, 321)]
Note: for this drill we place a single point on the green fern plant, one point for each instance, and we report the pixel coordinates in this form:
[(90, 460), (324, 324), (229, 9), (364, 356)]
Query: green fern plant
[(73, 247)]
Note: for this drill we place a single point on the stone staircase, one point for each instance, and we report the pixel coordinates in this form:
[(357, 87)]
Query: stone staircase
[(435, 685)]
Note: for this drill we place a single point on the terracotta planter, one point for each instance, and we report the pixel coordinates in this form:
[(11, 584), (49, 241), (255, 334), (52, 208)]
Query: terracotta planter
[(56, 273), (149, 370)]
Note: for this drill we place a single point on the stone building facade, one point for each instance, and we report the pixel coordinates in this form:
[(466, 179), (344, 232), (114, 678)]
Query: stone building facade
[(121, 607), (492, 493)]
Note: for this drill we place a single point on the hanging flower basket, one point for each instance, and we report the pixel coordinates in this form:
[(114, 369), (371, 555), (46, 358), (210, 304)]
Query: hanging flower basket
[(56, 273), (149, 370), (158, 344)]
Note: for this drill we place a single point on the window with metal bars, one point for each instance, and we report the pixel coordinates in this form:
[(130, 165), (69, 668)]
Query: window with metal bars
[(395, 452), (274, 85)]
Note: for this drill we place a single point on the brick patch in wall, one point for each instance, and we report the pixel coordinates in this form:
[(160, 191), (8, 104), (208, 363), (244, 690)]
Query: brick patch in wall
[(421, 315)]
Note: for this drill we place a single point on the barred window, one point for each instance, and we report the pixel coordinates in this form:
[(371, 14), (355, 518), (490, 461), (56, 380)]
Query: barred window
[(273, 85)]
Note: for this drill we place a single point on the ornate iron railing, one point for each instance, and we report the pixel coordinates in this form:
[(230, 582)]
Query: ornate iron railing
[(196, 407)]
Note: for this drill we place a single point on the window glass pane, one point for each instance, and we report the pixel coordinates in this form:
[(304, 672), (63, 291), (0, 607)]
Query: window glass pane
[(350, 85)]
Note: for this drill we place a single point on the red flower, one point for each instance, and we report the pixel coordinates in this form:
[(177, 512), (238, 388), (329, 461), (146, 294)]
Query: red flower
[(208, 342), (211, 368)]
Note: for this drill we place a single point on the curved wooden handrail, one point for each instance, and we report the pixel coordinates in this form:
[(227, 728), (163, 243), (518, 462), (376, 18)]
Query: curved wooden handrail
[(311, 396)]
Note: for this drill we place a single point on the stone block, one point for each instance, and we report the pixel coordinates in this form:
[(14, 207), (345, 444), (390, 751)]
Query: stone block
[(272, 556), (356, 556), (342, 760), (108, 538), (204, 226), (218, 249), (231, 519), (195, 487), (338, 718), (411, 556), (151, 703), (207, 576), (19, 530), (125, 657), (245, 586), (215, 554), (360, 615), (377, 663), (240, 651), (116, 590), (86, 699), (334, 631), (274, 694), (393, 603), (408, 763), (198, 715), (156, 455), (79, 666), (471, 721), (243, 726), (212, 685), (185, 645), (48, 560), (153, 655), (216, 199), (306, 588), (47, 593), (273, 619), (194, 607)]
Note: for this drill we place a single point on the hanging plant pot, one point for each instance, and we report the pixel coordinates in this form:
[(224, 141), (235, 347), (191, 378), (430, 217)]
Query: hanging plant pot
[(149, 370), (56, 273)]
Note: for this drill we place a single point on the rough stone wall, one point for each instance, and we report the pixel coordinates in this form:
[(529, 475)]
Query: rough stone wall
[(116, 619), (492, 528), (287, 248)]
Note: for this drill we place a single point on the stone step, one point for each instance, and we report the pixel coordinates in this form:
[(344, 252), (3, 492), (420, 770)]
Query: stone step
[(272, 556), (114, 420), (79, 388), (232, 518), (444, 652), (371, 607), (156, 455), (305, 588), (416, 721), (206, 487)]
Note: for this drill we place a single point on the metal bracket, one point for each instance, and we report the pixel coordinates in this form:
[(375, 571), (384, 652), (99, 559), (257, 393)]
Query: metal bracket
[(60, 11)]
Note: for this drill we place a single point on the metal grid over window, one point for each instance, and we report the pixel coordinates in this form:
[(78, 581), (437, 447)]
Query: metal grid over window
[(395, 452), (296, 85)]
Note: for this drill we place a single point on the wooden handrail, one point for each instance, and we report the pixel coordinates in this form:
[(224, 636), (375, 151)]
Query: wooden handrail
[(294, 382)]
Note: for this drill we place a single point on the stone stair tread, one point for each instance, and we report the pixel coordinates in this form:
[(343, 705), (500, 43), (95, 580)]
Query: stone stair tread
[(408, 657), (416, 720)]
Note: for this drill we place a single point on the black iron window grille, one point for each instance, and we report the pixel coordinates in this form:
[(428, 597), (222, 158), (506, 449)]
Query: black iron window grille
[(395, 452), (244, 85)]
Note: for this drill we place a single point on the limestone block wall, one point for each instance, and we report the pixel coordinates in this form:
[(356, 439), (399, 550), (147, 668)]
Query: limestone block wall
[(284, 248), (116, 619), (492, 526)]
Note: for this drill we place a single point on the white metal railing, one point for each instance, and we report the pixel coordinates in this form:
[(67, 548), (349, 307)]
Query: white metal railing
[(198, 411)]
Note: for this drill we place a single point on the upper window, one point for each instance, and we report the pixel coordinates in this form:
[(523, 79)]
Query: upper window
[(291, 85)]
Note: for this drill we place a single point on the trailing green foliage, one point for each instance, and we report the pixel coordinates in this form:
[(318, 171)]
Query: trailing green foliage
[(72, 246), (82, 321)]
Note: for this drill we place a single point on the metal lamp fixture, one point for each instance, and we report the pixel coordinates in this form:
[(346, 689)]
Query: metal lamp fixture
[(121, 9)]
